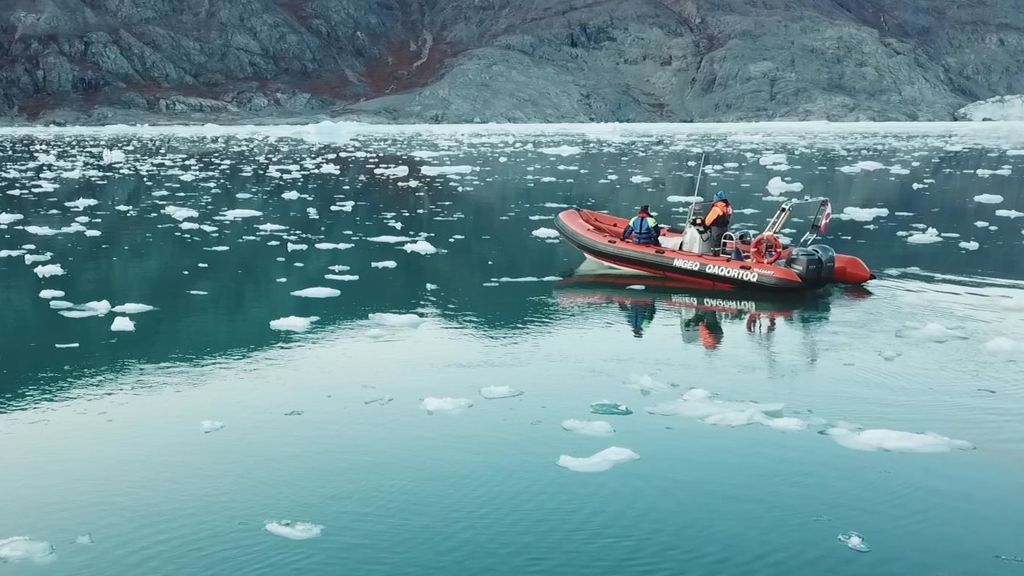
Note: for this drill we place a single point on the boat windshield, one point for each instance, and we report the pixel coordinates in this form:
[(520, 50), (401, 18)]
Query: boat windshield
[(795, 220)]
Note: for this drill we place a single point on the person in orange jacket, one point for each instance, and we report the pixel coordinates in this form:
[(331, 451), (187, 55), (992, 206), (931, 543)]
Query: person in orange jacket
[(717, 220)]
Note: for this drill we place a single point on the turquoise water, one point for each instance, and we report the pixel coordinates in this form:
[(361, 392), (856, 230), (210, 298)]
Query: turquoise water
[(328, 426)]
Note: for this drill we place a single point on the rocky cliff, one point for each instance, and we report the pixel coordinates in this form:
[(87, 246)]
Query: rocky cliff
[(504, 60)]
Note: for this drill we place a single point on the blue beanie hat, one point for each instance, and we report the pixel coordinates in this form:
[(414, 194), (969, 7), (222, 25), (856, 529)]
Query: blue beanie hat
[(720, 195)]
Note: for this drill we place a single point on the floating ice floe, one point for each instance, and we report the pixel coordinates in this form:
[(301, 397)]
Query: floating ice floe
[(293, 323), (317, 292), (602, 461), (48, 270), (271, 227), (430, 286), (984, 172), (208, 426), (343, 206), (396, 172), (389, 239), (239, 213), (47, 294), (777, 186), (69, 345), (445, 170), (290, 195), (384, 264), (7, 218), (929, 236), (704, 406), (638, 179), (981, 224), (198, 292), (1011, 214), (560, 151), (293, 530), (341, 277), (60, 304), (82, 203), (544, 233), (972, 245), (645, 384), (132, 308), (179, 213), (988, 198), (420, 247), (689, 199), (296, 247), (25, 549), (588, 427), (11, 253), (85, 540), (332, 246), (112, 156), (636, 287), (33, 258), (122, 324), (854, 541), (446, 404), (862, 214), (931, 331), (864, 165), (396, 320), (498, 392), (530, 279), (772, 159), (606, 408), (41, 230), (1003, 345), (883, 440)]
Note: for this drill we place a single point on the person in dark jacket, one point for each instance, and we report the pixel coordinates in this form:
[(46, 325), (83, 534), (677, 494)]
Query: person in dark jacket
[(643, 228), (717, 220)]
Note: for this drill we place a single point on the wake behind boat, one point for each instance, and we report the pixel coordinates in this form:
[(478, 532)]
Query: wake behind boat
[(741, 261)]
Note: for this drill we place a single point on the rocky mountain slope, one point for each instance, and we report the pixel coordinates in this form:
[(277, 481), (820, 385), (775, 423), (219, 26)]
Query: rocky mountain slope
[(504, 60)]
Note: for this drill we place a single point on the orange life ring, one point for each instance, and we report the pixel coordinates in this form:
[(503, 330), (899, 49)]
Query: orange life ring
[(764, 245)]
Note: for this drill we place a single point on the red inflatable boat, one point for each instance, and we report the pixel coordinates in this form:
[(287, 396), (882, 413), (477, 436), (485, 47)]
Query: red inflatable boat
[(687, 257)]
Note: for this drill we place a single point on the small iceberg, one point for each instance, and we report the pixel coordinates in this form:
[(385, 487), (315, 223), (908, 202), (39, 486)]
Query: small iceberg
[(544, 233), (122, 324), (208, 426), (497, 392), (446, 404), (47, 270), (883, 440), (293, 323), (606, 408), (854, 541), (420, 247), (240, 213), (929, 236), (588, 427), (384, 264), (293, 530), (777, 186), (396, 320), (560, 151), (48, 294), (602, 461), (25, 549), (317, 292), (132, 308), (988, 198)]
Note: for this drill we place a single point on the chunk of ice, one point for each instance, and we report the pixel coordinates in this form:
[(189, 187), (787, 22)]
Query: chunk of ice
[(25, 549), (544, 233), (69, 345), (341, 277), (638, 179), (48, 270), (208, 426), (929, 236), (862, 214), (880, 439), (931, 331), (689, 199), (293, 530), (132, 308), (446, 404), (122, 324), (396, 320), (82, 203), (291, 195), (85, 540), (238, 213), (396, 172), (561, 150), (445, 170), (777, 186), (389, 239), (1011, 214), (317, 292), (48, 294), (7, 218), (497, 392), (854, 541), (293, 323), (988, 198), (972, 245), (604, 460), (384, 264), (332, 246), (606, 408), (420, 247), (588, 427)]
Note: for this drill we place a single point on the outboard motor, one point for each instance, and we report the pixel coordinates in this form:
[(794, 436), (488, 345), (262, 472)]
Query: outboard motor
[(815, 265), (807, 265), (828, 262)]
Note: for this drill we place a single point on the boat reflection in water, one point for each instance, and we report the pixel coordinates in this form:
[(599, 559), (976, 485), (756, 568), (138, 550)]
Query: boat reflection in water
[(704, 317)]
